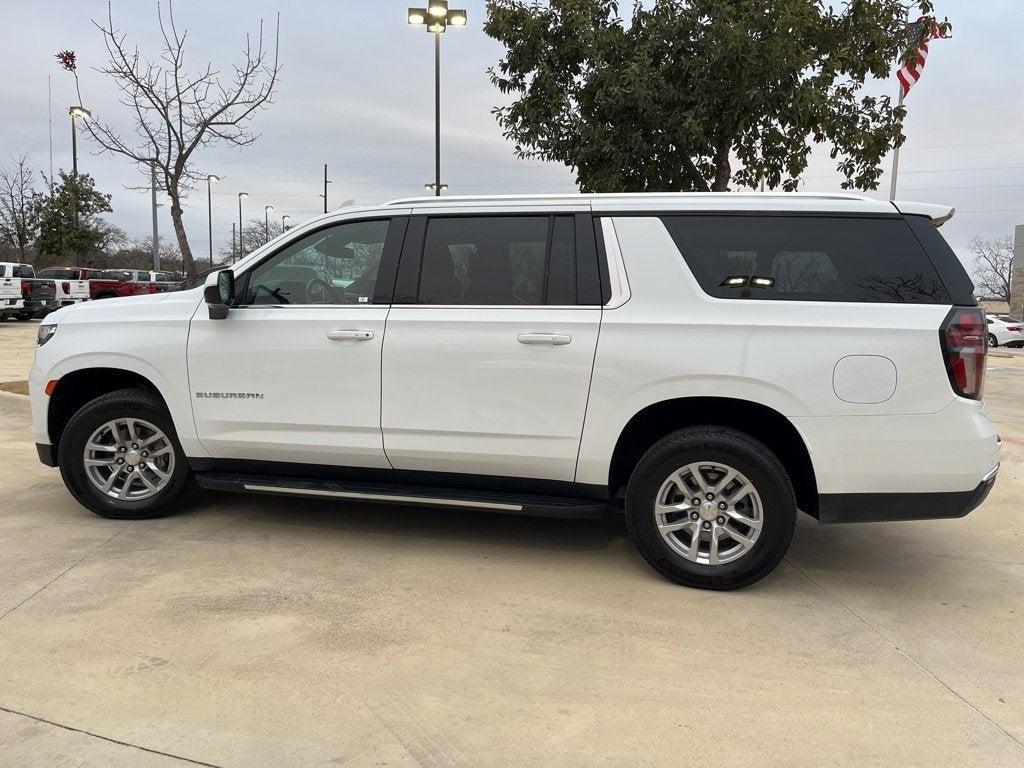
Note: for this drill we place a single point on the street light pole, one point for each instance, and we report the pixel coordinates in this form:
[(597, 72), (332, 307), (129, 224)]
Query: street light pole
[(266, 220), (76, 111), (210, 178), (156, 227), (437, 114), (241, 196), (326, 182), (284, 219), (437, 16)]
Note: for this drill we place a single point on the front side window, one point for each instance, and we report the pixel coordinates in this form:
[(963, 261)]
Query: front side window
[(498, 261), (807, 258), (335, 265)]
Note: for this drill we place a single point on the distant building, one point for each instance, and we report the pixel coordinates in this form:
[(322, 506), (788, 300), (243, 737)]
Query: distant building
[(1017, 276), (994, 306)]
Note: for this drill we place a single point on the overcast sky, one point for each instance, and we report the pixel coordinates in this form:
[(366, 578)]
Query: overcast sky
[(356, 92)]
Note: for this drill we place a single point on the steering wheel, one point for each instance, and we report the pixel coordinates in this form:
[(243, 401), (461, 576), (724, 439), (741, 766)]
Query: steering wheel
[(319, 291)]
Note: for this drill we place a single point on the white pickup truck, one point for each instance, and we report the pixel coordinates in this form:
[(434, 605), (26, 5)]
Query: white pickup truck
[(70, 290)]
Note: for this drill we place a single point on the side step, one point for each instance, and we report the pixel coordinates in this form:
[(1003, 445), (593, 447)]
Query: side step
[(485, 501)]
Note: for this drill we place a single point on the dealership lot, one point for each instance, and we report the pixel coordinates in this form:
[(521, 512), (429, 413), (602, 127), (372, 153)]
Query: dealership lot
[(262, 631)]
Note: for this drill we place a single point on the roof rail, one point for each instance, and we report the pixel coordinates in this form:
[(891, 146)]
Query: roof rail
[(434, 200)]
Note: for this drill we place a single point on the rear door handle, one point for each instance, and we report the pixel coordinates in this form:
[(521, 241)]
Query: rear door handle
[(349, 335), (555, 339)]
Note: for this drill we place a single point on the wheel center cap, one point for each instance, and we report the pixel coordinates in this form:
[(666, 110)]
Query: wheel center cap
[(132, 457), (708, 511)]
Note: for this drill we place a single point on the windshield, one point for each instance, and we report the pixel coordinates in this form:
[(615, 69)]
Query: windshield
[(115, 274)]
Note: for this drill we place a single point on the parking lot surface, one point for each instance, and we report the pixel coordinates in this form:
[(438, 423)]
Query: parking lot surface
[(260, 631)]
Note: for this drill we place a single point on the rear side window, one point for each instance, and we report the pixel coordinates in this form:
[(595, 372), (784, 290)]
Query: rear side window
[(499, 261), (24, 271), (59, 274), (807, 258)]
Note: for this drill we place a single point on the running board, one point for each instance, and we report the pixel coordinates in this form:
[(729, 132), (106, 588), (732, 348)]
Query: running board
[(381, 493)]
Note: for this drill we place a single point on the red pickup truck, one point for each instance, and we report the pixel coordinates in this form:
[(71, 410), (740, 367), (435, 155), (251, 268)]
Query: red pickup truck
[(105, 283)]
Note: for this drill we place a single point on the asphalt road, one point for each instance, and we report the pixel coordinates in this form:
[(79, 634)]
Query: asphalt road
[(254, 631)]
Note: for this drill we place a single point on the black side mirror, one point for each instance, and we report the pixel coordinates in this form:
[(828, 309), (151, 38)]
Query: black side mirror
[(220, 294)]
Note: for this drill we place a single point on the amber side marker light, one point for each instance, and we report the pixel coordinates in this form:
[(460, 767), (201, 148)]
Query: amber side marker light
[(50, 386)]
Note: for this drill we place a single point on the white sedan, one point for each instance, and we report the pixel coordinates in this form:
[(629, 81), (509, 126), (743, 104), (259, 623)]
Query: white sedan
[(1005, 331)]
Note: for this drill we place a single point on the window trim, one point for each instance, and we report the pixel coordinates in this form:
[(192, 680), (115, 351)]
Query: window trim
[(618, 282), (383, 287), (410, 266)]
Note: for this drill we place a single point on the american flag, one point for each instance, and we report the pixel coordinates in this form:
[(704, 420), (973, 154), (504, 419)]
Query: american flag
[(911, 71)]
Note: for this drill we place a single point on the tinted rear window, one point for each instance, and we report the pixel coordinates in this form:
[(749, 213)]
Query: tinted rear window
[(807, 258), (23, 271)]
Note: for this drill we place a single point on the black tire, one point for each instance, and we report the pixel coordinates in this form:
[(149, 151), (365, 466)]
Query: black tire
[(135, 403), (24, 316), (732, 448), (992, 341)]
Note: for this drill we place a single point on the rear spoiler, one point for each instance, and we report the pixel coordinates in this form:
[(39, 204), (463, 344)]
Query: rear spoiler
[(939, 214)]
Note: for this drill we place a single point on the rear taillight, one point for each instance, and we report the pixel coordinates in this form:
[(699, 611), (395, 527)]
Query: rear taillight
[(26, 289), (1014, 328), (963, 340), (66, 287)]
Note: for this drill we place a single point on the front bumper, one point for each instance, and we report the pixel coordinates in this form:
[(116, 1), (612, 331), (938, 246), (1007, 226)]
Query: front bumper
[(888, 507)]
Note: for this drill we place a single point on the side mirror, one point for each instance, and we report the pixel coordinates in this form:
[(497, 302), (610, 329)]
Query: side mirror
[(219, 293)]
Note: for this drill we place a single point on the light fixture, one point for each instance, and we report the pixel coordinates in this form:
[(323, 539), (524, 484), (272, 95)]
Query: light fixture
[(242, 194), (268, 208), (417, 15), (438, 8), (457, 18), (211, 177), (433, 187), (437, 25), (79, 111)]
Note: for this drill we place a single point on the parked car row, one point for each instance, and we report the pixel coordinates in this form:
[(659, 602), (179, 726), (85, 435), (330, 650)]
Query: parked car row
[(22, 294), (1005, 331), (25, 293)]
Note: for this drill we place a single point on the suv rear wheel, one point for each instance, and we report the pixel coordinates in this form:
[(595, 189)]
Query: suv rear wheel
[(119, 457), (711, 507)]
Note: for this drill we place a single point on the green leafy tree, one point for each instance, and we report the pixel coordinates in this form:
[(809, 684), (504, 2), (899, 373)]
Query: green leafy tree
[(688, 89), (68, 215)]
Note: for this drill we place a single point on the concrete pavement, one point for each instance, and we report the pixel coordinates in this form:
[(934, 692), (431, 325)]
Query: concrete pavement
[(260, 631)]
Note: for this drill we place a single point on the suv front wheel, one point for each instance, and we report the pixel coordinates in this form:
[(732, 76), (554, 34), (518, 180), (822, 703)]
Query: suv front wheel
[(120, 458), (711, 507)]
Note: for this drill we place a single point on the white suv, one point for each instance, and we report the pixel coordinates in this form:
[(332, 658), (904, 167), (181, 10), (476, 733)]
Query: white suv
[(715, 361)]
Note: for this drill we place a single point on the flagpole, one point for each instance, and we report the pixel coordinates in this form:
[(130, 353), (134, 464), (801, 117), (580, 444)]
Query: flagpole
[(895, 162)]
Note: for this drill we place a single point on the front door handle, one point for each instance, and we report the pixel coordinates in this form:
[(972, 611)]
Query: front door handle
[(349, 335), (555, 339)]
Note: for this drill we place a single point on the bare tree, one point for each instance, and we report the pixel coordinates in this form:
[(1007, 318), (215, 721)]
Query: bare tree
[(176, 111), (17, 218), (993, 262)]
